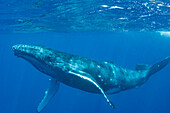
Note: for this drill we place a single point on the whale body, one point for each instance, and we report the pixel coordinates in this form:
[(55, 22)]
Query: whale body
[(83, 73)]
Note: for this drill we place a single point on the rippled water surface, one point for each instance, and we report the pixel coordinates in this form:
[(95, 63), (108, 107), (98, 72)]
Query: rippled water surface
[(126, 32), (84, 15)]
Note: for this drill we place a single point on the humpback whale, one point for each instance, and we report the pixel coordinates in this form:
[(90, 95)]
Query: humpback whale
[(100, 77)]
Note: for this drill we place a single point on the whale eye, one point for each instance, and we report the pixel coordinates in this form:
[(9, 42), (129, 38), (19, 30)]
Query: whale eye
[(48, 58)]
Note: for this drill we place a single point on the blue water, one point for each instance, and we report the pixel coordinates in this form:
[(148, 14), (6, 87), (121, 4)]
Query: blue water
[(126, 32), (22, 86)]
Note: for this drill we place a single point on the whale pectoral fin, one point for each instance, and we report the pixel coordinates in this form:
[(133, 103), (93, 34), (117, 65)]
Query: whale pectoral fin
[(142, 67), (102, 91), (53, 87), (94, 82)]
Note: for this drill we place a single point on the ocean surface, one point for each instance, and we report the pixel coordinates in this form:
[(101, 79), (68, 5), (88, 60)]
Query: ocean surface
[(126, 32)]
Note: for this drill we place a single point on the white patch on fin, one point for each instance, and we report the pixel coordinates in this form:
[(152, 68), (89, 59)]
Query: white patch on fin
[(53, 87), (94, 83)]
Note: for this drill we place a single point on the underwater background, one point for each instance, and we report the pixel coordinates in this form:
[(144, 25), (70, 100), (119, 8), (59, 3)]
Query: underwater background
[(126, 32)]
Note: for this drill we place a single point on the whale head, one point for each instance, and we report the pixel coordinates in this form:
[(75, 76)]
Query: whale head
[(38, 56), (31, 52)]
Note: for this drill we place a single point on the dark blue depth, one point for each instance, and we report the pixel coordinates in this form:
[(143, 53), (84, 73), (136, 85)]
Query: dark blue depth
[(22, 86)]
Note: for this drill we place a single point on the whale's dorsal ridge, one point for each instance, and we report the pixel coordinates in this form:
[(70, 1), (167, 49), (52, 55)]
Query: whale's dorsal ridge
[(142, 67)]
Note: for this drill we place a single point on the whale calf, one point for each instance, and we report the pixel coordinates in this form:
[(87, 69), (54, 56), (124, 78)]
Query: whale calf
[(83, 73)]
